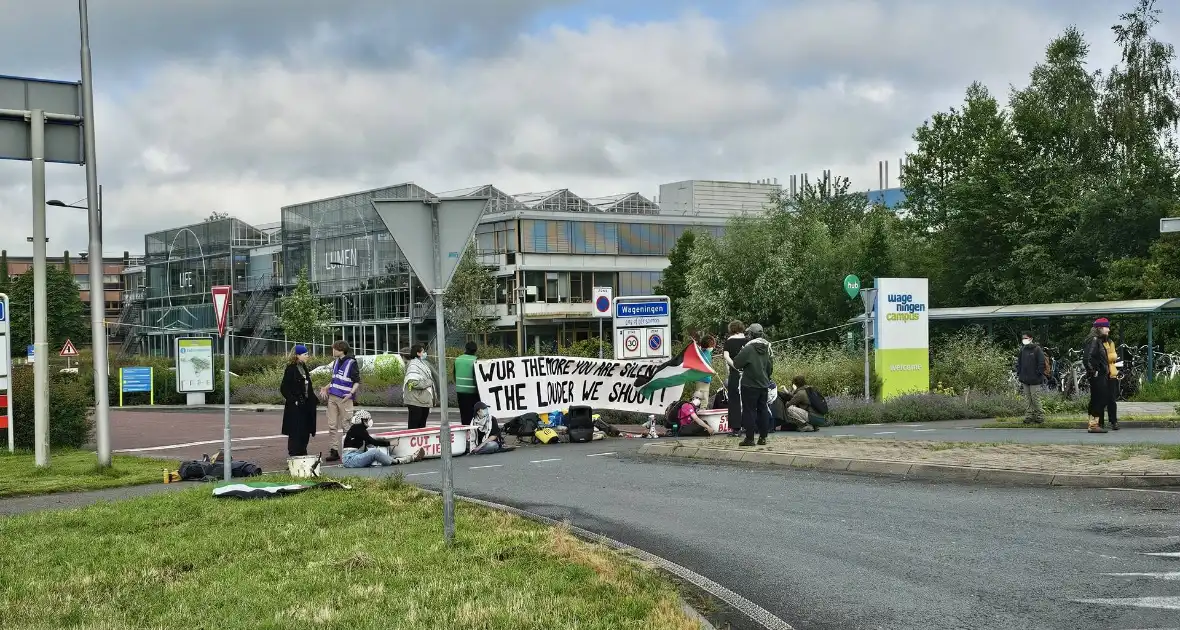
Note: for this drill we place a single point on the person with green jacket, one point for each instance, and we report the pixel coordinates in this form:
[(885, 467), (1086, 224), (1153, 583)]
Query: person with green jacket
[(756, 364), (465, 389)]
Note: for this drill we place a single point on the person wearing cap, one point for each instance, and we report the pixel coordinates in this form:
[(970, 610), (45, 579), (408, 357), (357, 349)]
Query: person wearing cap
[(1101, 360), (362, 450), (299, 403), (756, 363)]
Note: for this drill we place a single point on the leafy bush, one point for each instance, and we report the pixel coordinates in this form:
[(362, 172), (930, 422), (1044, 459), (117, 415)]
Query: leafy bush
[(829, 368), (921, 408), (70, 422), (1159, 390), (969, 361), (588, 348)]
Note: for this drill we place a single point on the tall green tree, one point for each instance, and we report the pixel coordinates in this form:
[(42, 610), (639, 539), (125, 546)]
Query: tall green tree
[(304, 317), (674, 281), (66, 315), (471, 296)]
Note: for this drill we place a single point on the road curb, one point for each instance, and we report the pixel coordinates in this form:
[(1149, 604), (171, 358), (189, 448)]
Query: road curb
[(914, 470)]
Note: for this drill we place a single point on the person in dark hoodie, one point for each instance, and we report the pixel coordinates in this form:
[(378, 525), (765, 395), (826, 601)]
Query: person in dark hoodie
[(1102, 368), (1030, 369), (756, 363)]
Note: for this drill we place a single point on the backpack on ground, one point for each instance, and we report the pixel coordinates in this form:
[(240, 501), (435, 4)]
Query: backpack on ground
[(237, 468), (816, 400), (579, 423), (605, 427), (526, 428), (195, 470)]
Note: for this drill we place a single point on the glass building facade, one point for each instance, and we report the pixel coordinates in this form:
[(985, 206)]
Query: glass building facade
[(353, 263)]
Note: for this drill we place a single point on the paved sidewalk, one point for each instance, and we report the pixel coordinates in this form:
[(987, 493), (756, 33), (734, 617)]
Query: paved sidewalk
[(1131, 465), (67, 500)]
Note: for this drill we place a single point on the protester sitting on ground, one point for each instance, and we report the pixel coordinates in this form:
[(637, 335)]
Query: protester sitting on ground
[(799, 406), (488, 437), (361, 449), (691, 424)]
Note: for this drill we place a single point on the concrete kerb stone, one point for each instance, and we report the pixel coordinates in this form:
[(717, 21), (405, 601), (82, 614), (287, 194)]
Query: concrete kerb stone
[(917, 470)]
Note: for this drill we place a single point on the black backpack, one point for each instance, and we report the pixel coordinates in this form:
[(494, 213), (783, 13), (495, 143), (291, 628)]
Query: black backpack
[(526, 428), (195, 470), (672, 417), (816, 400), (579, 423), (237, 468)]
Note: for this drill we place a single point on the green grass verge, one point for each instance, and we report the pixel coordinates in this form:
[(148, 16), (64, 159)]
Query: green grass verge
[(370, 557), (1075, 423), (75, 471)]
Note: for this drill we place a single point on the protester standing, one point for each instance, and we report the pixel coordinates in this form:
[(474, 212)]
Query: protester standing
[(465, 388), (418, 387), (1030, 370), (341, 394), (733, 345), (1102, 367), (299, 403), (756, 364)]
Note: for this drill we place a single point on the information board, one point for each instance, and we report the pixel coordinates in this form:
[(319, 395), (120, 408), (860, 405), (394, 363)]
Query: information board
[(194, 365)]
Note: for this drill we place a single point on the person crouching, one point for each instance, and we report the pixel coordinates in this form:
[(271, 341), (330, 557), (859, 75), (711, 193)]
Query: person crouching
[(488, 437), (361, 449)]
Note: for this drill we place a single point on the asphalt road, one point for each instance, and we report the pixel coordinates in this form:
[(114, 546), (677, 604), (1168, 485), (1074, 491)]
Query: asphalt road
[(832, 551)]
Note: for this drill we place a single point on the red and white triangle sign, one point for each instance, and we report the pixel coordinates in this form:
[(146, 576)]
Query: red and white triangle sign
[(69, 350), (221, 307)]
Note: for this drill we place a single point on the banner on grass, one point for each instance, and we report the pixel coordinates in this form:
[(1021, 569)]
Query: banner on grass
[(518, 385)]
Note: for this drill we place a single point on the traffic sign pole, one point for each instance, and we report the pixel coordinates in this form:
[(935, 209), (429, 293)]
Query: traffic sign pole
[(6, 363), (221, 296)]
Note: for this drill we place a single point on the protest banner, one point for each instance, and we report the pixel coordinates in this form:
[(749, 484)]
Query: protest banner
[(520, 385)]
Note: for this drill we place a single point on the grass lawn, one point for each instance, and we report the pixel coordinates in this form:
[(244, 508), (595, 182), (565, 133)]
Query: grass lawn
[(1075, 423), (75, 471), (370, 557)]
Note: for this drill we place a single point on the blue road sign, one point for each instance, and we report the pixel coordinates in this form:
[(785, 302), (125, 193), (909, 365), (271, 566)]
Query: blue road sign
[(2, 313), (602, 305), (655, 342), (642, 309)]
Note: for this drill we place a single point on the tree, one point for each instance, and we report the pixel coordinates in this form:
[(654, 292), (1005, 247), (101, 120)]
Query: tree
[(674, 282), (5, 281), (470, 296), (216, 216), (303, 316), (67, 315)]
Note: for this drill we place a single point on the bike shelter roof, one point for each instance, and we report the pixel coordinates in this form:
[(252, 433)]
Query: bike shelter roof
[(1064, 309)]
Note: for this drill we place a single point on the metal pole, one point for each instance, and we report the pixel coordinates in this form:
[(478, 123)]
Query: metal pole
[(1150, 349), (444, 434), (98, 337), (227, 460), (599, 337), (40, 293), (868, 390)]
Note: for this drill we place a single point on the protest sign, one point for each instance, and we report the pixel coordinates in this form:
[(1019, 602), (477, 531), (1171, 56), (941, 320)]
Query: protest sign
[(520, 385)]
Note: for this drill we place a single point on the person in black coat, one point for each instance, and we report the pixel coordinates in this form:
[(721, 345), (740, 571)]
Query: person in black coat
[(299, 408)]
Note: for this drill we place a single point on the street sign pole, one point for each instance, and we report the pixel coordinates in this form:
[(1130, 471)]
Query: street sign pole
[(868, 296), (40, 294), (433, 250), (6, 363), (221, 298), (444, 433)]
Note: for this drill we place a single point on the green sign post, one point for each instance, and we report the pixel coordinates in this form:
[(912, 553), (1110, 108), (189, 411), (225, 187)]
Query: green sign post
[(851, 286)]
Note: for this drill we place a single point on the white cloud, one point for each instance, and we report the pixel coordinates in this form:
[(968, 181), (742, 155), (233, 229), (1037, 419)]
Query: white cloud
[(603, 109)]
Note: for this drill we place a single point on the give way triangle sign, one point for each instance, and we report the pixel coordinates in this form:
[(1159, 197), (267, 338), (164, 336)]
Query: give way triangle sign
[(221, 307), (411, 223)]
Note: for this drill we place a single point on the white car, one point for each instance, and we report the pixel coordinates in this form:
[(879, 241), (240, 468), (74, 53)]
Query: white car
[(367, 362)]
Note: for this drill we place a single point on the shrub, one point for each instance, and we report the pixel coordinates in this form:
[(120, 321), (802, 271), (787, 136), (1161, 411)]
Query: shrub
[(588, 348), (70, 422), (921, 408), (968, 361), (1159, 390), (829, 368)]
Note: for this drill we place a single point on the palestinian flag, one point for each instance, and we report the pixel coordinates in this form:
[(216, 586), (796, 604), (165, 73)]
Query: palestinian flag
[(266, 490), (687, 367)]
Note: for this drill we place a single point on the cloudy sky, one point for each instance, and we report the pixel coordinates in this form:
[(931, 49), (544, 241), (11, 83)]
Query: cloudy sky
[(244, 106)]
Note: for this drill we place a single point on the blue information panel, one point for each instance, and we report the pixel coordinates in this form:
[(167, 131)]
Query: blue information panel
[(136, 380), (2, 313)]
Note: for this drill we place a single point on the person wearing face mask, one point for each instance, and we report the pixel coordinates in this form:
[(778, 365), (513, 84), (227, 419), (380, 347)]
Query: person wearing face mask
[(488, 437), (418, 387), (1030, 370), (756, 362), (362, 450), (1102, 368), (691, 424)]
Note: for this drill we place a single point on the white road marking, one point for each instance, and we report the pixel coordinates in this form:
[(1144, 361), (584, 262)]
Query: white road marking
[(924, 430), (845, 435), (1144, 490), (482, 467), (600, 454), (885, 432), (1163, 554), (910, 425), (432, 472), (1167, 575), (168, 447), (542, 461), (1162, 603), (873, 425)]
